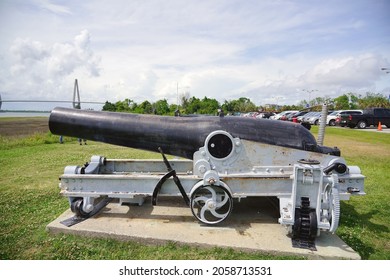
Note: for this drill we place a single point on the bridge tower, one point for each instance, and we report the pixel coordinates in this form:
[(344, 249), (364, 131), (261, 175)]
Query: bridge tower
[(76, 95)]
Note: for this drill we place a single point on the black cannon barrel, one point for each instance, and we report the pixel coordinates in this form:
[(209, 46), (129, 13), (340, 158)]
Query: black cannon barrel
[(180, 136)]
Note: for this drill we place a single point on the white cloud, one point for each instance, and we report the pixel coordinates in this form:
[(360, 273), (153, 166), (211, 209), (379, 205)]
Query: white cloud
[(53, 61), (66, 57), (359, 71), (27, 54), (54, 8)]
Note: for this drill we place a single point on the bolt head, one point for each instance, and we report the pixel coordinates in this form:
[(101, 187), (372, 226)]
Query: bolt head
[(212, 181)]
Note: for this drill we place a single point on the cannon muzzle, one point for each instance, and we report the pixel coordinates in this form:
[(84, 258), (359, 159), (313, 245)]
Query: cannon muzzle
[(179, 136)]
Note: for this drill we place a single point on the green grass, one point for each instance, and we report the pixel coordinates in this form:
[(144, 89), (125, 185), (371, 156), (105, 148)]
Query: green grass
[(365, 221), (30, 199)]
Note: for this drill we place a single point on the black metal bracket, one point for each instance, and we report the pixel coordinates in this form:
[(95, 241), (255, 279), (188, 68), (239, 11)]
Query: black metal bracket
[(171, 173), (77, 219)]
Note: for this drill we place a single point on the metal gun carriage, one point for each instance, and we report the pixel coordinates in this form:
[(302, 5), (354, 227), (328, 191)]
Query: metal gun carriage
[(222, 161)]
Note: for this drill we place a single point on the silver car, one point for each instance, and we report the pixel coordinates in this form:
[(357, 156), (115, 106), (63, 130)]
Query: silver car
[(310, 117), (314, 118)]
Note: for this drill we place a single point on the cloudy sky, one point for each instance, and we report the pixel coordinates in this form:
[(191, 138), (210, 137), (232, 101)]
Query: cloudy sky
[(269, 51)]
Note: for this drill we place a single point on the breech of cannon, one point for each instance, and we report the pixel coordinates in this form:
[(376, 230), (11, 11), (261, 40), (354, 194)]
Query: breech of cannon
[(179, 136)]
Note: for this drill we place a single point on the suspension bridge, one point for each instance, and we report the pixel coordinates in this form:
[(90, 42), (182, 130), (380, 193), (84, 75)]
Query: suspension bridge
[(76, 99)]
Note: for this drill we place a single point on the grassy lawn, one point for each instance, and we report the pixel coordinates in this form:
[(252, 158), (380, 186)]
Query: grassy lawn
[(365, 221), (30, 199)]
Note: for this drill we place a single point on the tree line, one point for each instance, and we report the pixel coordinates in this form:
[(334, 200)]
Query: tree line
[(210, 106)]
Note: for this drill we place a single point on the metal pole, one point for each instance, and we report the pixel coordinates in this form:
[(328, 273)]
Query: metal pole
[(321, 131)]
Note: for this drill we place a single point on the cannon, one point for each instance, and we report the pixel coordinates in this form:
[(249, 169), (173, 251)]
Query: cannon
[(220, 161)]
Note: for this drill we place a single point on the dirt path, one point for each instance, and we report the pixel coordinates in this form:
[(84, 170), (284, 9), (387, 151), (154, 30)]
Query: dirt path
[(15, 127)]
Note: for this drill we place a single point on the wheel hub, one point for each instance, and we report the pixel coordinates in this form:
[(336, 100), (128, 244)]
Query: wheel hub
[(211, 204)]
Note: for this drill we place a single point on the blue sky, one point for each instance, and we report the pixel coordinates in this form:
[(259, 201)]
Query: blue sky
[(268, 51)]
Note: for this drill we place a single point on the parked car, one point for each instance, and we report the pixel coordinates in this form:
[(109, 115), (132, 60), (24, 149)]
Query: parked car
[(314, 118), (369, 117), (286, 116), (264, 115), (296, 115), (338, 121), (311, 117), (301, 118), (250, 114), (282, 115), (331, 118)]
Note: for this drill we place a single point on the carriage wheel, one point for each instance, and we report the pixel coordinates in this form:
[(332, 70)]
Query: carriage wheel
[(211, 204)]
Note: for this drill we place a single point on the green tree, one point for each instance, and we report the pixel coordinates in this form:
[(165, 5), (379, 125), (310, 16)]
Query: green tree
[(291, 108), (373, 100), (185, 99), (126, 105), (227, 107), (161, 107), (193, 106), (144, 108), (241, 105), (108, 106), (209, 106), (173, 108), (346, 101)]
